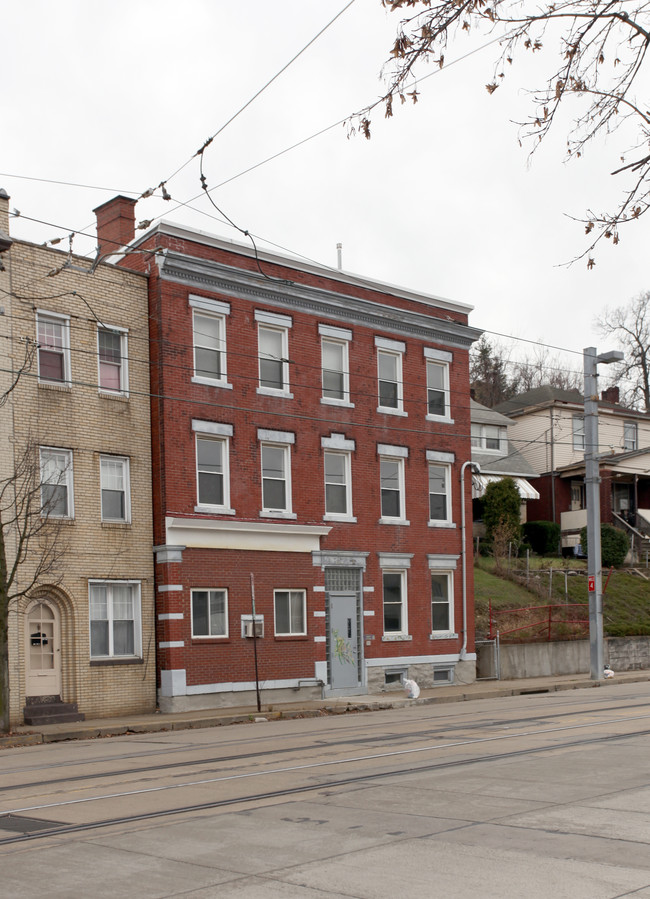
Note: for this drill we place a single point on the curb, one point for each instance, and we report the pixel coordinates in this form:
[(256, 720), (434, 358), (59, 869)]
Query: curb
[(160, 725)]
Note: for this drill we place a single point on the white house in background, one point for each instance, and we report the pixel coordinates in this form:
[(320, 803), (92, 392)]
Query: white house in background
[(497, 459)]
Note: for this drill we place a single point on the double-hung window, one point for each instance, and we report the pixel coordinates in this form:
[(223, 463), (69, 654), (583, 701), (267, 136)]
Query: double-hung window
[(53, 335), (335, 364), (438, 398), (395, 617), (115, 619), (115, 488), (57, 499), (438, 492), (209, 613), (578, 423), (389, 375), (629, 435), (112, 360), (212, 466), (209, 341), (490, 438), (337, 466), (290, 613), (391, 475), (276, 472), (273, 350), (440, 512), (441, 603), (337, 484)]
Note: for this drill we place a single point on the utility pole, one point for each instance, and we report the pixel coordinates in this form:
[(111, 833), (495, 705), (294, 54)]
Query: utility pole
[(592, 490)]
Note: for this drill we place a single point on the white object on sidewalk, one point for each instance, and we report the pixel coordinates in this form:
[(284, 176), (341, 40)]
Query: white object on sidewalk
[(412, 689)]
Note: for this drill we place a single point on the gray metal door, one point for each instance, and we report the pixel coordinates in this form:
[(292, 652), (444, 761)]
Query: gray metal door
[(343, 641)]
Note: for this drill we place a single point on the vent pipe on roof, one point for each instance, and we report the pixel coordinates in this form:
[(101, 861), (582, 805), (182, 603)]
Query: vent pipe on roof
[(339, 256)]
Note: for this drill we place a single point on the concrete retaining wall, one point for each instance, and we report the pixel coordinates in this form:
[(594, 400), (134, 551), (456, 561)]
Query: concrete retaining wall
[(568, 657)]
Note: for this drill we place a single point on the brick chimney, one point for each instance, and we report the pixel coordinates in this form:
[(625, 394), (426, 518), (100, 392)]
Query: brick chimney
[(5, 239), (115, 224), (611, 395)]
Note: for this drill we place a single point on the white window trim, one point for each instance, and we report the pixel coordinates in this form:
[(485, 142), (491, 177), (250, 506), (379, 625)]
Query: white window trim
[(64, 320), (124, 361), (449, 632), (127, 488), (630, 426), (401, 518), (578, 434), (220, 316), (404, 632), (302, 633), (444, 365), (482, 437), (338, 516), (268, 322), (344, 344), (387, 348), (209, 590), (448, 521), (69, 478), (137, 619), (285, 446), (220, 436)]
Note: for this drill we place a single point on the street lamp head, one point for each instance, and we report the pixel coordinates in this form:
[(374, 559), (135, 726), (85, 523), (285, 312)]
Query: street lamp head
[(611, 356)]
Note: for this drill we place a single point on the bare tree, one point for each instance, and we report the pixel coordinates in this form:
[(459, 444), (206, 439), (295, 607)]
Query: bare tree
[(31, 547), (598, 56), (630, 327), (541, 367)]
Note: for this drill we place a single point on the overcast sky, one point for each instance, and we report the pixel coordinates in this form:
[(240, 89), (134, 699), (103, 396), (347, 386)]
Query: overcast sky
[(442, 199)]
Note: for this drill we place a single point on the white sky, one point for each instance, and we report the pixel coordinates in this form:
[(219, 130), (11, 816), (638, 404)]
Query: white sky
[(442, 199)]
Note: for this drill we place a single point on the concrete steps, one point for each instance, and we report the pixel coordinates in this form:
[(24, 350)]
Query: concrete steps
[(50, 710)]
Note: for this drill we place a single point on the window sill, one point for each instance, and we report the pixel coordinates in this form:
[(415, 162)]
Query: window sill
[(118, 395), (396, 638), (397, 521), (280, 394), (440, 635), (214, 510), (118, 525), (349, 519), (62, 386), (283, 638), (344, 404), (442, 524), (440, 419), (210, 639), (102, 663), (286, 515), (385, 410), (208, 382)]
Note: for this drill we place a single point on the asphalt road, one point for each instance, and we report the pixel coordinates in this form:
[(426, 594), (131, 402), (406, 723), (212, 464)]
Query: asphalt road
[(525, 796)]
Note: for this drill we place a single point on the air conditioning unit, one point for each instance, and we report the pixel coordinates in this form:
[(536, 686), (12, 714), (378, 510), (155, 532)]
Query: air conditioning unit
[(259, 628)]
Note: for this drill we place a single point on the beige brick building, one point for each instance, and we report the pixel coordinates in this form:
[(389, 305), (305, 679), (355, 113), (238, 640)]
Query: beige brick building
[(80, 409)]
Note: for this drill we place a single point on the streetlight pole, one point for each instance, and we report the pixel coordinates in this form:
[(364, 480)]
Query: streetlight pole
[(592, 490)]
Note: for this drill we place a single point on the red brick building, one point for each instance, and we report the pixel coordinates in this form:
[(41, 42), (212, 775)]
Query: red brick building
[(309, 431)]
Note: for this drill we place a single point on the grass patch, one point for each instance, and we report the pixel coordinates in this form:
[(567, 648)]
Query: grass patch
[(626, 601)]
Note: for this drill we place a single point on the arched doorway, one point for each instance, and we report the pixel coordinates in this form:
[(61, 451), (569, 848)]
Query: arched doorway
[(43, 650)]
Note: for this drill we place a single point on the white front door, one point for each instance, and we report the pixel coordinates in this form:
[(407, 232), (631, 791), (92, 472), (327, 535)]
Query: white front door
[(43, 650)]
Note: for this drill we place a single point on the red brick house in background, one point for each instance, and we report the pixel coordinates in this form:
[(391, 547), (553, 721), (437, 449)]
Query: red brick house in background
[(309, 428)]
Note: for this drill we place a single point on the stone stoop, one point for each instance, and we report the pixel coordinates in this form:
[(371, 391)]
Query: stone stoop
[(50, 710)]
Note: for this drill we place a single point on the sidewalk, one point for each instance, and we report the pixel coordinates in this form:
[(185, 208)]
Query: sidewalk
[(157, 722)]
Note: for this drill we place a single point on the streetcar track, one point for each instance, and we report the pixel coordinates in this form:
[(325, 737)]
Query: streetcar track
[(65, 829), (325, 764), (427, 733)]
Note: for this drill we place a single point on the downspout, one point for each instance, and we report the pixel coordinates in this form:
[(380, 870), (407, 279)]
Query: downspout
[(463, 550)]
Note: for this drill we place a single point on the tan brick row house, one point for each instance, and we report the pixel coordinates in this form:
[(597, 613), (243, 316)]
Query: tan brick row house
[(80, 410)]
